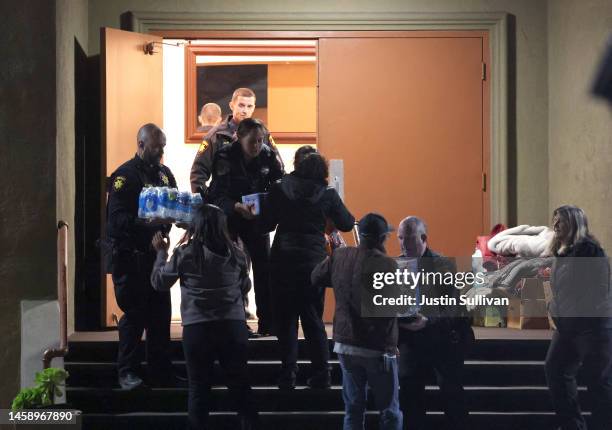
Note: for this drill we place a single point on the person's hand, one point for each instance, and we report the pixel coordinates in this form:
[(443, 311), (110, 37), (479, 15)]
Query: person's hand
[(245, 211), (416, 325), (159, 242)]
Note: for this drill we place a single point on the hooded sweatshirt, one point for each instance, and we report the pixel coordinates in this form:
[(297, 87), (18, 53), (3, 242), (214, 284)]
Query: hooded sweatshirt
[(300, 208), (211, 287)]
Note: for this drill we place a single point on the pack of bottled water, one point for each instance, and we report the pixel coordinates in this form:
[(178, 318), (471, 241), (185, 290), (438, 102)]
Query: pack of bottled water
[(167, 203)]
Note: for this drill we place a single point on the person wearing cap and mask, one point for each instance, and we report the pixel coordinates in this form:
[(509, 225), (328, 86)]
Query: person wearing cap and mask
[(435, 339), (366, 346)]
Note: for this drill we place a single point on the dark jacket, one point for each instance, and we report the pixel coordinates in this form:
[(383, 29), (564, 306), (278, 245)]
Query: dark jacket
[(443, 320), (234, 178), (299, 209), (220, 136), (211, 287), (580, 281), (345, 271), (123, 226)]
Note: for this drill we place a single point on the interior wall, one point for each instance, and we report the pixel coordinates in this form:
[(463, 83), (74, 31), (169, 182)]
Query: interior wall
[(292, 97), (580, 127), (529, 131), (71, 24), (27, 197)]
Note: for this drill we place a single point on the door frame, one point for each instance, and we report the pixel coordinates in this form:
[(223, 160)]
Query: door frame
[(243, 25)]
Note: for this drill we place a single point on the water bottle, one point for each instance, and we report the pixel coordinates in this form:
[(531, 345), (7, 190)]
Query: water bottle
[(141, 202), (196, 201), (183, 208), (151, 202)]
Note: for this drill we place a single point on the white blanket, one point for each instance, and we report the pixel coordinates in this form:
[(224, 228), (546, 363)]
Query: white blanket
[(523, 241)]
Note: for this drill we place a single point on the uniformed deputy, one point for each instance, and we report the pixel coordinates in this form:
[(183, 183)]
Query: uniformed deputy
[(132, 261), (247, 166), (242, 106)]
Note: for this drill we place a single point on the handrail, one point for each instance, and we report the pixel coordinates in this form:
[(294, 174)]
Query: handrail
[(356, 233), (62, 284)]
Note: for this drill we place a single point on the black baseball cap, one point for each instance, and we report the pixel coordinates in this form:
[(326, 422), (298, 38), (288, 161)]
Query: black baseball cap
[(374, 225)]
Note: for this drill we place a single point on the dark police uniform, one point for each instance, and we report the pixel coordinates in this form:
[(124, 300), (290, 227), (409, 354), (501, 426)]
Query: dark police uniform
[(440, 347), (220, 136), (232, 179), (132, 261)]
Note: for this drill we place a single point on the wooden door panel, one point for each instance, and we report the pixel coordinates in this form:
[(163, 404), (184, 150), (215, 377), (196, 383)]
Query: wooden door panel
[(405, 115), (132, 88)]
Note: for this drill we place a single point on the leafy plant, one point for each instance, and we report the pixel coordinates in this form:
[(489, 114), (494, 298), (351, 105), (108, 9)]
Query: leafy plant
[(48, 383)]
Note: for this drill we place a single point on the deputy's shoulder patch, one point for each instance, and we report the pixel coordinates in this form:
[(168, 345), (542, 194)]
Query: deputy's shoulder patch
[(203, 147), (118, 183), (164, 178)]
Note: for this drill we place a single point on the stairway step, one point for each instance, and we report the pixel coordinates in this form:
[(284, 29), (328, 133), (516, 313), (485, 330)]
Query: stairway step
[(480, 373), (267, 349), (493, 399), (308, 421)]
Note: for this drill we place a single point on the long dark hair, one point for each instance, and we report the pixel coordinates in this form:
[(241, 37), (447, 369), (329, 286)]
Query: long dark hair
[(209, 229), (313, 166)]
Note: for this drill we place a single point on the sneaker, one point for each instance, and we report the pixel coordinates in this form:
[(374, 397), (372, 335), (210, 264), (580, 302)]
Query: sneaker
[(320, 380), (130, 381)]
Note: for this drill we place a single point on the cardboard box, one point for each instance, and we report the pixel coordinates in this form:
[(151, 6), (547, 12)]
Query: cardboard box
[(529, 311)]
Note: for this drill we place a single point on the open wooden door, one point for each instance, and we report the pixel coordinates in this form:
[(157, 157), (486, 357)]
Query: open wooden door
[(131, 96), (408, 116)]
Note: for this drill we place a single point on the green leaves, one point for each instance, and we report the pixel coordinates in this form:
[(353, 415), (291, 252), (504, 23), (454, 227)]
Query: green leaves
[(43, 394)]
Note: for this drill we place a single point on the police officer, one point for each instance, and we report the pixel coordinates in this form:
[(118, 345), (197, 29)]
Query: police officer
[(132, 261), (242, 106), (247, 166)]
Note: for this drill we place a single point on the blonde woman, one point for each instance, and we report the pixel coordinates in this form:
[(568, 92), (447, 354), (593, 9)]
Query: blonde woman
[(582, 310)]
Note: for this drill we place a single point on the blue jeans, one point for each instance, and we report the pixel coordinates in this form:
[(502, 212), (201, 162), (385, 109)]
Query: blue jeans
[(358, 373)]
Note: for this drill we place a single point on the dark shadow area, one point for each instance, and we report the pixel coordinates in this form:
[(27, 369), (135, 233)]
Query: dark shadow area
[(87, 193), (512, 156)]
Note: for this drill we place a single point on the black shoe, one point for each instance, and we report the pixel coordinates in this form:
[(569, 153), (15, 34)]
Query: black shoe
[(320, 380), (263, 330), (286, 381), (130, 381), (252, 334)]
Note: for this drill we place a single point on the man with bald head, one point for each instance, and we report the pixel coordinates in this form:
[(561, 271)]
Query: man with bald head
[(210, 116), (132, 263), (435, 339)]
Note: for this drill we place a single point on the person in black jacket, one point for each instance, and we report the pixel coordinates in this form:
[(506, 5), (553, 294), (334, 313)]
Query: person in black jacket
[(248, 166), (436, 339), (132, 261), (581, 307), (211, 270), (300, 204)]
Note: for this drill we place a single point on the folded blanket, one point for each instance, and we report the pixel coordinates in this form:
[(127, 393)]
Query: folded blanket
[(522, 241)]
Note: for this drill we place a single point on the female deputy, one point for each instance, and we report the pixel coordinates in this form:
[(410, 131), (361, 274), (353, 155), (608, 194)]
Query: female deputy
[(212, 271), (582, 310)]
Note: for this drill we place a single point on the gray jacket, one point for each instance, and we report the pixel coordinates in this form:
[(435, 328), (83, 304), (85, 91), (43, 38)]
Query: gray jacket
[(211, 286)]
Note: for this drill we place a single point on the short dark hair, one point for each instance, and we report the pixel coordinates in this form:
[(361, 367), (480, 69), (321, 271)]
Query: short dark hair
[(243, 92), (313, 166), (302, 152), (249, 125)]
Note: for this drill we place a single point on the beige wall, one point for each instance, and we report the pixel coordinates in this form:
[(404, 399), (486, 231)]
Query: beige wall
[(580, 127), (71, 23), (530, 150)]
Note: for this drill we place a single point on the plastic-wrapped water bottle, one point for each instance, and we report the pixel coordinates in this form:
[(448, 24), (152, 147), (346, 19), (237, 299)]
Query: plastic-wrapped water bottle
[(183, 208), (167, 202), (141, 202), (196, 200), (151, 202)]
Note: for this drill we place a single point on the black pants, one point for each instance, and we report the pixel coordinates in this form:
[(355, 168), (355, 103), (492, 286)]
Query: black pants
[(568, 352), (258, 247), (144, 309), (306, 304), (432, 349), (203, 343)]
